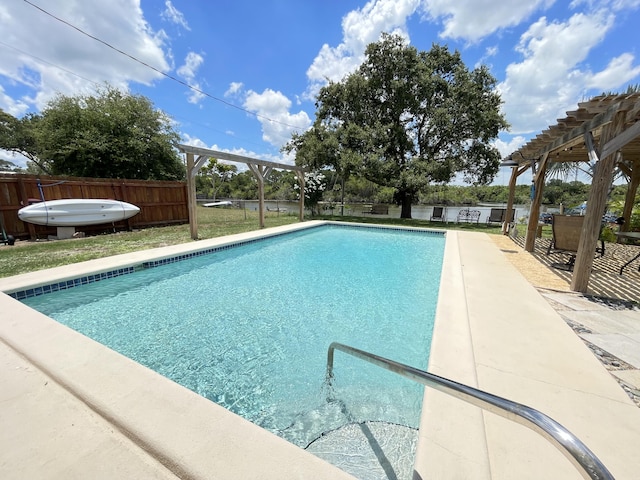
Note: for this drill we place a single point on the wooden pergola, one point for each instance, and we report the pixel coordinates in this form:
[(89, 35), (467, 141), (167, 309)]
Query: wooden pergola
[(196, 158), (605, 131)]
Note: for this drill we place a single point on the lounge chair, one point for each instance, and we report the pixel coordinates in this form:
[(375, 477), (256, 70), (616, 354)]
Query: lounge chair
[(512, 216), (439, 214), (496, 215), (566, 231)]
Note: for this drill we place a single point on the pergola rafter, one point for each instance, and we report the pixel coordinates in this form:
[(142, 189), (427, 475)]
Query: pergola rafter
[(605, 131), (196, 158)]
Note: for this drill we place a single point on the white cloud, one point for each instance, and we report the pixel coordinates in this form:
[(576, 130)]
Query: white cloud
[(192, 62), (188, 71), (14, 107), (489, 52), (172, 14), (34, 60), (194, 141), (506, 147), (272, 109), (17, 159), (197, 142), (550, 78), (618, 73), (360, 28), (234, 88), (473, 20)]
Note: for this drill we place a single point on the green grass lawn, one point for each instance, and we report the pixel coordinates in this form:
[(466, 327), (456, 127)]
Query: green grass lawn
[(28, 256)]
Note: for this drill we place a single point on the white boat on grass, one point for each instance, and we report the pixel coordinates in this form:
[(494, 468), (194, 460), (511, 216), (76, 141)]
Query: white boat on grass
[(74, 212)]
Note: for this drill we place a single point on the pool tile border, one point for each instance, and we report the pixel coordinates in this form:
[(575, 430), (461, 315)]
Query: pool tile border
[(87, 279), (66, 284)]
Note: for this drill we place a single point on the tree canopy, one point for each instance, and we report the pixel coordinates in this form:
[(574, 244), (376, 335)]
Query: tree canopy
[(217, 171), (18, 136), (406, 119), (111, 135)]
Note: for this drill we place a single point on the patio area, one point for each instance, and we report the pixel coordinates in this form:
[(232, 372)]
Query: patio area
[(605, 281), (606, 318)]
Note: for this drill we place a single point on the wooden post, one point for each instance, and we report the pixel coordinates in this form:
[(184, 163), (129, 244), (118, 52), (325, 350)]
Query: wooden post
[(260, 168), (534, 214), (191, 197), (602, 178), (261, 174), (512, 194), (632, 189)]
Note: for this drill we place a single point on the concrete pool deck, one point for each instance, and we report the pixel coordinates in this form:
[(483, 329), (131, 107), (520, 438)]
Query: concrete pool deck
[(71, 408)]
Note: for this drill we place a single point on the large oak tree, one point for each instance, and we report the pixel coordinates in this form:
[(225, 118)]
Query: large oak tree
[(406, 119)]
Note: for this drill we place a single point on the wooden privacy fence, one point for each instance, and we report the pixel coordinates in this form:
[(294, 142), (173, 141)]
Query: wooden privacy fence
[(160, 202)]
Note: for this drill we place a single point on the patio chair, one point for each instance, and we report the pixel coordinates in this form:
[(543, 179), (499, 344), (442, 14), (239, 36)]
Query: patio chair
[(439, 214), (496, 215), (566, 231), (512, 216)]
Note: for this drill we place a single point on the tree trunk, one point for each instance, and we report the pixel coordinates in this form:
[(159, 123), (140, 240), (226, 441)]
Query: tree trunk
[(405, 202)]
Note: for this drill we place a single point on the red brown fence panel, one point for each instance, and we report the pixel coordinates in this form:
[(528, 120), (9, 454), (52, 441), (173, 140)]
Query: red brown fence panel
[(160, 202)]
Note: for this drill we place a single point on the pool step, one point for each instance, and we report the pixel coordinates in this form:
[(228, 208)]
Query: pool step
[(370, 450)]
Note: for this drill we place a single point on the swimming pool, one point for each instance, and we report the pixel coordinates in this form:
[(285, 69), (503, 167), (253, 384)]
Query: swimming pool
[(248, 327)]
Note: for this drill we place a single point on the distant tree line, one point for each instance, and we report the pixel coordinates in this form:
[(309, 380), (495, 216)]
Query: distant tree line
[(280, 186)]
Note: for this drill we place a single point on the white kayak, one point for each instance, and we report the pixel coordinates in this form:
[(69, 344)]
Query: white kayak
[(222, 203), (75, 212)]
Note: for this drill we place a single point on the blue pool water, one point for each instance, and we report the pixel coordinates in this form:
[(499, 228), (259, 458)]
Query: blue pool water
[(249, 327)]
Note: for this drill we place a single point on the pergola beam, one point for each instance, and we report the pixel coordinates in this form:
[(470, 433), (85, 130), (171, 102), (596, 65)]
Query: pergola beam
[(231, 157), (604, 131), (260, 168)]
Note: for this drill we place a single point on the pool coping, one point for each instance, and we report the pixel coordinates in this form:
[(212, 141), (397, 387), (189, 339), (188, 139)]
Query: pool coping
[(494, 331), (157, 429)]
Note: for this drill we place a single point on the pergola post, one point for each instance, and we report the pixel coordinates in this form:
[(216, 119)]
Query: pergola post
[(192, 169), (596, 203), (191, 197), (260, 168), (261, 172), (515, 173), (632, 189), (534, 213), (613, 123)]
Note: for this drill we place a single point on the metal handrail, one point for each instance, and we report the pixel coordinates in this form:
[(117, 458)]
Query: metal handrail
[(572, 448)]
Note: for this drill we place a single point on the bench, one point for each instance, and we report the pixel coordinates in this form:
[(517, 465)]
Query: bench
[(469, 216), (378, 209)]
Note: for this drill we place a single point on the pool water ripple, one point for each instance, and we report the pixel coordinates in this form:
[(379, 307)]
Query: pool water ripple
[(249, 327)]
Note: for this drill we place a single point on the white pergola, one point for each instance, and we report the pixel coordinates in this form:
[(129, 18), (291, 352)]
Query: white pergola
[(604, 130), (196, 158)]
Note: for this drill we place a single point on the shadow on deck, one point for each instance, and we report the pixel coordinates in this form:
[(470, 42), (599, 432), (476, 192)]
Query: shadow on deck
[(605, 281)]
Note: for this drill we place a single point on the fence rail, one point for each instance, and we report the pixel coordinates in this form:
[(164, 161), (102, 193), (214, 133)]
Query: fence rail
[(160, 202)]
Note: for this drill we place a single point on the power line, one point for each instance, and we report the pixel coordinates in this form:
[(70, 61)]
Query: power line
[(71, 72), (171, 77)]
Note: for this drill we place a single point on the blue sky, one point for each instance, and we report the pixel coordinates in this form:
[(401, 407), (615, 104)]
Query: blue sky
[(259, 64)]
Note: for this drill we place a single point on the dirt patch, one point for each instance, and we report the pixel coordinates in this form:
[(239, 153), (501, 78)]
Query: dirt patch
[(536, 273)]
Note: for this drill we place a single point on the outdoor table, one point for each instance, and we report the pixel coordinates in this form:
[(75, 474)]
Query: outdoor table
[(632, 236)]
